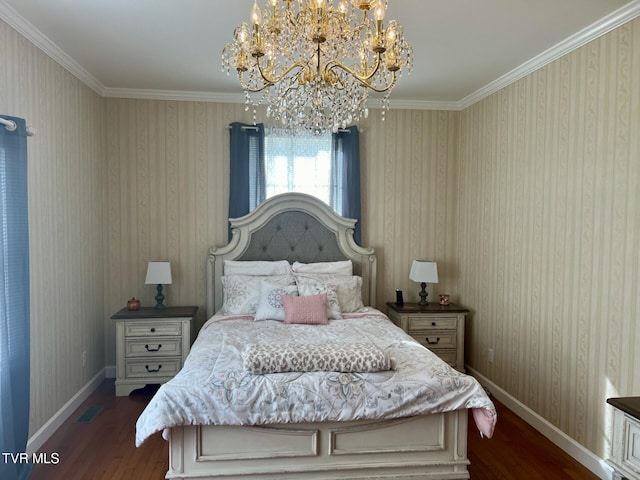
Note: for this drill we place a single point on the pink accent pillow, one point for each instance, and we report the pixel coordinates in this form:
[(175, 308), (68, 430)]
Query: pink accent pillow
[(310, 310)]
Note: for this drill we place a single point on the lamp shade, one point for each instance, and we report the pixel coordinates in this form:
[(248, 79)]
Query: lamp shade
[(424, 271), (159, 273)]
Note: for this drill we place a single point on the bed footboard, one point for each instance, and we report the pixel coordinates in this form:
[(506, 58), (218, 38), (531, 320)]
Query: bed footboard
[(421, 447)]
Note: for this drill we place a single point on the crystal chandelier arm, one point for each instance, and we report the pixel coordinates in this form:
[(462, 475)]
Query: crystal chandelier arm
[(268, 81), (364, 79)]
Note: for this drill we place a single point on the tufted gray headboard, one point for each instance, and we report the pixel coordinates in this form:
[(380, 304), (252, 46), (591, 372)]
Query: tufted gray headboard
[(292, 227)]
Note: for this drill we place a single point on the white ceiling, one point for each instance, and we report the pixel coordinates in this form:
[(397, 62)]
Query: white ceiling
[(464, 49)]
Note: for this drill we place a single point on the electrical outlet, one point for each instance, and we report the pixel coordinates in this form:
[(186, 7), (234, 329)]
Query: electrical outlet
[(84, 358), (490, 356)]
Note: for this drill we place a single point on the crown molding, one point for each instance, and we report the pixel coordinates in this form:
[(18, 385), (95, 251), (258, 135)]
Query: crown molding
[(586, 35), (31, 33), (189, 96), (421, 105), (601, 27)]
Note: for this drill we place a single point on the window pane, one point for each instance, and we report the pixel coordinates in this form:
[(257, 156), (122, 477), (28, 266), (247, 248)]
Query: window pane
[(300, 163)]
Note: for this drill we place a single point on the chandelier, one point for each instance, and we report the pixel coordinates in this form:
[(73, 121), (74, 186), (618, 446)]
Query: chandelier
[(313, 64)]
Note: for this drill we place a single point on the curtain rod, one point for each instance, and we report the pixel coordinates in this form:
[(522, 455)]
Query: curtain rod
[(11, 126), (251, 127)]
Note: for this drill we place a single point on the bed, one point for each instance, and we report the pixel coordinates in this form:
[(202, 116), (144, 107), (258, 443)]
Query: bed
[(280, 394)]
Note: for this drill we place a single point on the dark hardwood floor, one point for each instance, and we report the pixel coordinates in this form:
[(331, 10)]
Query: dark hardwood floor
[(517, 451), (104, 448)]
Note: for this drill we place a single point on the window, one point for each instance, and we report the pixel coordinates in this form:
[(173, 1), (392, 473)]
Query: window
[(265, 164), (300, 163)]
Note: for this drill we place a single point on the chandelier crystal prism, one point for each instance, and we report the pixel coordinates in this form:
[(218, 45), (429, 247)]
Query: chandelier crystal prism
[(313, 63)]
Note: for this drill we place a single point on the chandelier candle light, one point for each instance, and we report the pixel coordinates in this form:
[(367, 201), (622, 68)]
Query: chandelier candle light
[(313, 63)]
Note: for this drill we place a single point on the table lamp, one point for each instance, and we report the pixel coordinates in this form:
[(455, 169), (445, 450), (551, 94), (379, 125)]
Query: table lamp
[(424, 271), (159, 273)]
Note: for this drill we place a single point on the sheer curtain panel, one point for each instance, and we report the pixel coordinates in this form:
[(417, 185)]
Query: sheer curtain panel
[(14, 302), (298, 163)]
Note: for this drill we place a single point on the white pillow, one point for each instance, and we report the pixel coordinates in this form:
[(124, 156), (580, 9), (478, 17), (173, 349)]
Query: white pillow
[(343, 267), (349, 288), (270, 306), (256, 267), (241, 293), (307, 288)]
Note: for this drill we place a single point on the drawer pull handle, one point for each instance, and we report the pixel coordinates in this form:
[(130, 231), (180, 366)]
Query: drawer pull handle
[(153, 349), (433, 324), (432, 342), (153, 370), (153, 329)]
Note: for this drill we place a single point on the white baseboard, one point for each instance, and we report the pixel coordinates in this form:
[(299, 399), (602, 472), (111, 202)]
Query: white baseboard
[(110, 371), (587, 458), (44, 433)]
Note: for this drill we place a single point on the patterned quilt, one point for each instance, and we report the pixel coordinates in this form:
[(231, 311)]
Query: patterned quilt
[(213, 387)]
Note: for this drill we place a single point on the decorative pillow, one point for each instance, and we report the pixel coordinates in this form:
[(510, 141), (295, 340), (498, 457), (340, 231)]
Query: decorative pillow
[(270, 306), (328, 357), (315, 288), (349, 288), (241, 293), (311, 310), (343, 267), (256, 267)]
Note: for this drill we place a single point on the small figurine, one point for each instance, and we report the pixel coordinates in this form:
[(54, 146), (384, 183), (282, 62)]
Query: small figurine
[(133, 304)]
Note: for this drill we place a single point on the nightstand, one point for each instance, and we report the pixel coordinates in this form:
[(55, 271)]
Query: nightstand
[(440, 328), (151, 345), (624, 454)]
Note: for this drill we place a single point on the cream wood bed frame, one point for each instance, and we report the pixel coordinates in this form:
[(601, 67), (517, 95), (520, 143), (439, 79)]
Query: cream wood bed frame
[(290, 226)]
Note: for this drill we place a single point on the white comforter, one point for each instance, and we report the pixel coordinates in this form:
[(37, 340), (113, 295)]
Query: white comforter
[(213, 388)]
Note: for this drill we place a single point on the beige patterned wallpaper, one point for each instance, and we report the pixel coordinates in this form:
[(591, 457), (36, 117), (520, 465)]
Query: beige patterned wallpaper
[(408, 197), (167, 188), (527, 200), (167, 195), (549, 234), (66, 221)]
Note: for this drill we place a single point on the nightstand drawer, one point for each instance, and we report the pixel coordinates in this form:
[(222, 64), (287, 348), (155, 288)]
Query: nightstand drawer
[(431, 322), (436, 340), (152, 367), (150, 328), (153, 347), (449, 356)]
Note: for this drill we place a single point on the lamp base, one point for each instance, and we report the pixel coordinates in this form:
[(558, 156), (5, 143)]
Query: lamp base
[(423, 294), (159, 297)]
